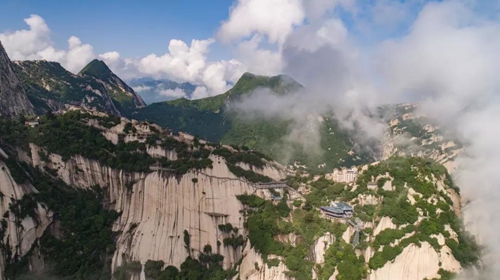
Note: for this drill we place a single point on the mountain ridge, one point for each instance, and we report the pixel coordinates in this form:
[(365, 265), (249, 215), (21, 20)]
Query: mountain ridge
[(210, 118), (51, 87)]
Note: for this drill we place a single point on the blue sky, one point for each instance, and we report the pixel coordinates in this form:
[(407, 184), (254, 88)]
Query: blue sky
[(154, 38), (137, 28), (134, 28)]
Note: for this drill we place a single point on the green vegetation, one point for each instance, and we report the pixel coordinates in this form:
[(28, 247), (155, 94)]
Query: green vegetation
[(210, 118), (387, 236), (248, 174), (234, 241), (227, 228), (98, 69), (252, 159), (388, 254), (127, 270), (324, 191), (14, 133), (85, 242), (349, 266), (69, 135), (264, 223), (207, 267)]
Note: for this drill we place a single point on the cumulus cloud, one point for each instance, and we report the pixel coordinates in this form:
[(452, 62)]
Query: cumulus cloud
[(26, 43), (177, 92), (34, 43), (259, 60), (141, 88), (272, 18), (259, 34), (200, 92), (181, 62)]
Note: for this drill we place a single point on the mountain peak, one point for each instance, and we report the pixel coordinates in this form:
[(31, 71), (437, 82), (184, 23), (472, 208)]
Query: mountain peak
[(280, 84), (97, 68)]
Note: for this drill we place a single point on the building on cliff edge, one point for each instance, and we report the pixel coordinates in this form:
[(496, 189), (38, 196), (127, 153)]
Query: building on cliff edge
[(344, 175)]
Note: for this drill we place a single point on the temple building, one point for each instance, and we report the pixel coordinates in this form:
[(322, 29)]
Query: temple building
[(338, 210)]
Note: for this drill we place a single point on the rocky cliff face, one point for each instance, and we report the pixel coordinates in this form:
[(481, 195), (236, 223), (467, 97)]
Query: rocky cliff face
[(158, 207), (418, 262), (13, 98), (18, 234)]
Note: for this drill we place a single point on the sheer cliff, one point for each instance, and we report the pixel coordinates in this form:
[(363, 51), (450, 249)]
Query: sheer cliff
[(13, 99), (135, 201)]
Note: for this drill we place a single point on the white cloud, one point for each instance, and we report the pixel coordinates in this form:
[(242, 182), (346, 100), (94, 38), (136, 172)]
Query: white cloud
[(200, 92), (177, 92), (259, 60), (34, 43), (27, 43), (110, 56), (141, 88), (273, 18), (181, 63), (185, 63), (260, 33)]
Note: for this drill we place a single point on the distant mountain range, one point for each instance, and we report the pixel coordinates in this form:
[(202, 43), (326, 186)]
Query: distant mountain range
[(152, 90)]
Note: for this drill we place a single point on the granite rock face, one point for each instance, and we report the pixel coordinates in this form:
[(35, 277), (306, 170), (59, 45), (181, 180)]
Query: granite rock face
[(13, 98)]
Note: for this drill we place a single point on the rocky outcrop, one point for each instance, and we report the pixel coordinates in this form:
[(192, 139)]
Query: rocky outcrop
[(13, 98), (384, 223), (318, 250), (417, 263), (20, 234), (253, 267)]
